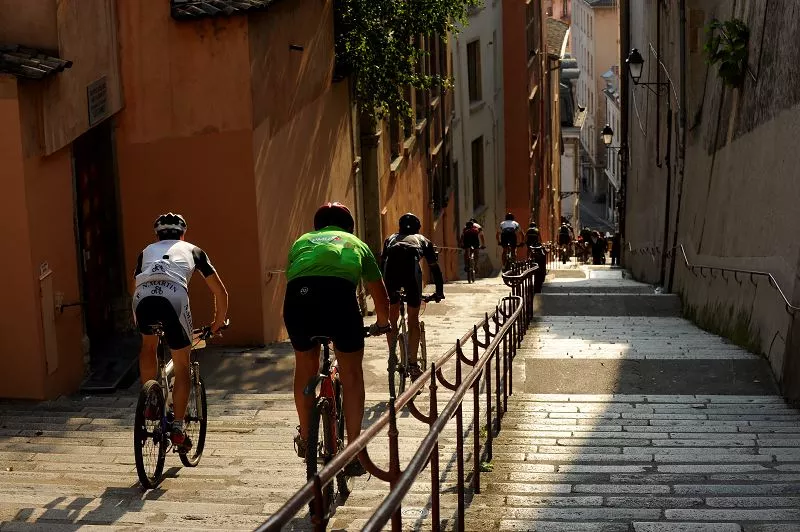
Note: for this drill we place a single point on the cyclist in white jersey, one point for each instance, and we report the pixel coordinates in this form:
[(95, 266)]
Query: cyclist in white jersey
[(163, 271)]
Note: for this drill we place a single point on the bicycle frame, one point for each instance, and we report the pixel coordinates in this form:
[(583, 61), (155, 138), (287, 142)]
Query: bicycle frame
[(166, 372)]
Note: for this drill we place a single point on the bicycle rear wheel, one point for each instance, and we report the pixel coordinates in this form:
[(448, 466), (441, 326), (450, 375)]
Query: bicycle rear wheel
[(471, 269), (422, 356), (320, 448), (196, 420), (149, 440)]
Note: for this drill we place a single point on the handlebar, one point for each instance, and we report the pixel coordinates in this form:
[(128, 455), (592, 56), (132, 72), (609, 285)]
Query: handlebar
[(204, 333)]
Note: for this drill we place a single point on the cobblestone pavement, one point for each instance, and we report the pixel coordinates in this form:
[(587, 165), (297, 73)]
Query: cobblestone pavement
[(68, 464), (635, 420)]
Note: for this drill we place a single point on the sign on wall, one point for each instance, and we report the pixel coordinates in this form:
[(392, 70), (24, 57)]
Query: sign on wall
[(97, 99)]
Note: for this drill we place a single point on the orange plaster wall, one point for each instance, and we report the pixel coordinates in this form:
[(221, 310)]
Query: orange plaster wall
[(181, 78), (20, 344), (49, 190)]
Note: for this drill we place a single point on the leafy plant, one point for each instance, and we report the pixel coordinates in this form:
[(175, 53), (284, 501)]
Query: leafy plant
[(727, 46), (378, 44), (487, 467)]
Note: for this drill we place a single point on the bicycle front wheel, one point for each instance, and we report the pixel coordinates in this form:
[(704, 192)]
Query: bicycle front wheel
[(196, 420), (149, 440), (320, 449)]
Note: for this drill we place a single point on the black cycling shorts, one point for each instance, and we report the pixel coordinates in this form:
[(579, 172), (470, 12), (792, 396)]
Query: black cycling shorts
[(508, 238), (410, 280), (471, 241), (151, 310), (323, 306)]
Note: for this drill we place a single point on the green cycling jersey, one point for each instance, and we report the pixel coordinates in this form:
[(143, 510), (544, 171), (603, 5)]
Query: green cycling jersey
[(331, 252)]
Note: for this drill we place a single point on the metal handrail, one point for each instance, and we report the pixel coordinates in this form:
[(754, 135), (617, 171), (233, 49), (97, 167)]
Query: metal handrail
[(511, 313), (790, 308)]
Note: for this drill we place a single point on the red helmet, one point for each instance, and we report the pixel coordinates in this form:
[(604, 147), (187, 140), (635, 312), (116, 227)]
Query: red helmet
[(334, 214)]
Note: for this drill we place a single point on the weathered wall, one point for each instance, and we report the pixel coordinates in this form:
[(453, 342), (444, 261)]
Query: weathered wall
[(20, 342), (29, 23), (302, 143), (184, 143), (740, 192)]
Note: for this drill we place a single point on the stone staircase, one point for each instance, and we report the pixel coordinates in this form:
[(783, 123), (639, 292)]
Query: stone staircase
[(633, 419)]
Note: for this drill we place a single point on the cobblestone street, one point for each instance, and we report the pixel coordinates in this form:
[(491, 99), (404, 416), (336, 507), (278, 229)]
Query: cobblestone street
[(625, 417)]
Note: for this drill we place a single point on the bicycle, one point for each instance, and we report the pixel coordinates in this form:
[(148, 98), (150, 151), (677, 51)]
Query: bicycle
[(153, 428), (400, 366), (472, 258), (509, 255)]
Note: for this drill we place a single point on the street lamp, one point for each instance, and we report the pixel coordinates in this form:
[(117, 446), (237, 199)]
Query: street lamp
[(635, 62), (608, 134)]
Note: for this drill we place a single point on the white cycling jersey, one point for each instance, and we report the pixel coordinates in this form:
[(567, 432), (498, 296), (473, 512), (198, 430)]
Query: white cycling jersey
[(171, 260), (509, 226)]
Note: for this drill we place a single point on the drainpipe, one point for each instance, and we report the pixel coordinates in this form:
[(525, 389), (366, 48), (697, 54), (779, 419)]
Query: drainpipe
[(624, 43), (667, 200), (682, 142)]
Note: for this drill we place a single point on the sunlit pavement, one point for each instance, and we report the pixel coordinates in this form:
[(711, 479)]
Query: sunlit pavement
[(69, 464)]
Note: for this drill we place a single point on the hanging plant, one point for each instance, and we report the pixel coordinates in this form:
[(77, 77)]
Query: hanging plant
[(376, 44), (727, 46)]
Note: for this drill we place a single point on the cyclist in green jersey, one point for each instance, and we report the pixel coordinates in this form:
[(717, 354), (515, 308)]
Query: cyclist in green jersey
[(324, 269)]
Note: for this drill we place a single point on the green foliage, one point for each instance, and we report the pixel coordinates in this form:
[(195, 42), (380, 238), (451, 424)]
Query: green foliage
[(487, 467), (377, 43), (727, 46)]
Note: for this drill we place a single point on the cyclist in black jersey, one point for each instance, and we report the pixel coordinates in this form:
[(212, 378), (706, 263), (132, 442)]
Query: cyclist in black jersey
[(400, 259)]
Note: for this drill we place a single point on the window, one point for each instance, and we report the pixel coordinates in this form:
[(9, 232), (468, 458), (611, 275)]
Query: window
[(478, 199), (474, 70)]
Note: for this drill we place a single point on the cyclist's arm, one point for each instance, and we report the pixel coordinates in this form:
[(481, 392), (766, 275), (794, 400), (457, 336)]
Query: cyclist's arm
[(431, 257), (214, 283), (377, 290), (374, 283)]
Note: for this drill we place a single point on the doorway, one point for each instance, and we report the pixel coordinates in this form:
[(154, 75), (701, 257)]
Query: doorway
[(99, 242)]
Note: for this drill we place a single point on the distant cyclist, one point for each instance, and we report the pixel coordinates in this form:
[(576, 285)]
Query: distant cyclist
[(400, 264), (471, 238), (509, 234), (325, 267), (532, 238), (163, 271)]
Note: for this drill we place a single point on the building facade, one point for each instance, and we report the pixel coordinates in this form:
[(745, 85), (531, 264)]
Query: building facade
[(595, 45), (478, 132), (612, 169), (572, 120), (113, 111)]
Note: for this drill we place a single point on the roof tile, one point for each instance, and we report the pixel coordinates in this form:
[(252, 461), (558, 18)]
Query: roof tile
[(194, 9), (29, 63)]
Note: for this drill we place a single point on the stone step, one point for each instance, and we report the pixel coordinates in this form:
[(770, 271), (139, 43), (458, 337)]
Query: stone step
[(608, 305)]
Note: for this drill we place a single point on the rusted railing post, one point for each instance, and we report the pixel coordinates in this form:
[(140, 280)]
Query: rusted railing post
[(476, 436), (394, 461), (436, 521), (505, 371), (318, 519), (498, 410), (489, 434), (460, 453)]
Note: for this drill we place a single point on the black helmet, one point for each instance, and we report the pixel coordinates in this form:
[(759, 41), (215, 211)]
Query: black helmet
[(409, 224), (533, 224), (469, 225), (509, 216), (170, 223), (334, 214)]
